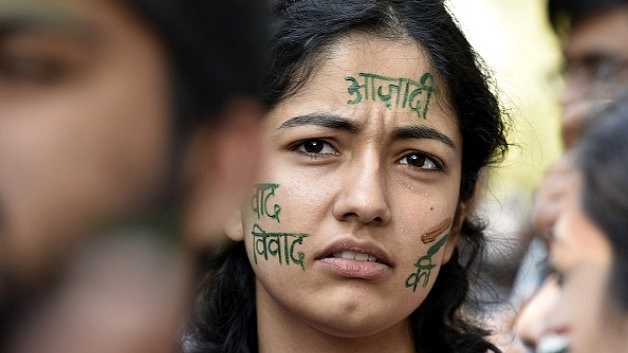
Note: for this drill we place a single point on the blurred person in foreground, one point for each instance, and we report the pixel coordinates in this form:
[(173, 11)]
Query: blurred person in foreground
[(132, 124), (594, 38), (585, 306)]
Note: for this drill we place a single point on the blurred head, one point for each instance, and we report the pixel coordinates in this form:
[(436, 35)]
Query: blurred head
[(108, 109), (588, 310), (594, 36)]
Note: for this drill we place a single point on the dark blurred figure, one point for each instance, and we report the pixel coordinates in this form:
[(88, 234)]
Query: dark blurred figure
[(132, 124), (594, 39)]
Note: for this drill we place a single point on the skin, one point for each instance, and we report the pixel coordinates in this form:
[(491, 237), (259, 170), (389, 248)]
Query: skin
[(582, 257), (345, 178), (85, 134)]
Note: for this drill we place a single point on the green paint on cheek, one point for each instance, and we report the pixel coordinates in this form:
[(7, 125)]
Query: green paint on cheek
[(281, 246), (393, 92), (424, 266), (260, 201)]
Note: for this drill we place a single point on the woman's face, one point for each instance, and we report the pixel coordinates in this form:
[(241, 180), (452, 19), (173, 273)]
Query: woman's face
[(352, 217), (581, 317)]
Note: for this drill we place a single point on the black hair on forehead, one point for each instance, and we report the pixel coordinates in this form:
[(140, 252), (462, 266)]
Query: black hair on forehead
[(217, 49), (563, 14)]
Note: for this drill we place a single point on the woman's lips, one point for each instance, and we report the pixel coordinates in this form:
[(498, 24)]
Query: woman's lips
[(354, 268), (354, 259)]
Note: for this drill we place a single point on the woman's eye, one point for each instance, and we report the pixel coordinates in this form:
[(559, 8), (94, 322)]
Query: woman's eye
[(315, 147), (420, 160)]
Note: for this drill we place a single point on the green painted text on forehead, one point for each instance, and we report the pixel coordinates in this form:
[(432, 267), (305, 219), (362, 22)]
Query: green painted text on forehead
[(394, 92)]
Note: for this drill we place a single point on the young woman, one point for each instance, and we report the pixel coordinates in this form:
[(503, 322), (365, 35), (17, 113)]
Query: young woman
[(583, 307), (381, 121)]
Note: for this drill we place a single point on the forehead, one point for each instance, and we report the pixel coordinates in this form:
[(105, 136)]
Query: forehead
[(605, 33), (363, 75), (400, 56), (364, 53)]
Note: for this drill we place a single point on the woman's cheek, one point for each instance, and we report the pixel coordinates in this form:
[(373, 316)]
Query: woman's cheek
[(267, 239)]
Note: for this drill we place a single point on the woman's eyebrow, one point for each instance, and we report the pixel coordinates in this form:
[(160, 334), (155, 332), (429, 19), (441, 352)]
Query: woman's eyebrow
[(321, 119), (422, 132)]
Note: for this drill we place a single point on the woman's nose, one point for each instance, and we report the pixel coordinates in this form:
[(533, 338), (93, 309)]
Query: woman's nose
[(364, 196), (533, 320)]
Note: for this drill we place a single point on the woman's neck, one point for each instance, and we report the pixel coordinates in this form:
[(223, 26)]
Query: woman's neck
[(282, 332)]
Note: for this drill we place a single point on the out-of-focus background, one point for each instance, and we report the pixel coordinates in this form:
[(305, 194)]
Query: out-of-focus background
[(515, 39)]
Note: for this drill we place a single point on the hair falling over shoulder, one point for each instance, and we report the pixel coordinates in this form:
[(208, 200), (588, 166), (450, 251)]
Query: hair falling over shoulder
[(225, 319)]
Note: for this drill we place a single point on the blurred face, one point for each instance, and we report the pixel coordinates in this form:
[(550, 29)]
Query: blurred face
[(83, 123), (574, 313), (596, 55), (354, 209)]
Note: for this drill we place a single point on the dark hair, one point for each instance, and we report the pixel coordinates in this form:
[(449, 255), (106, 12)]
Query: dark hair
[(602, 157), (218, 50), (564, 14), (302, 33)]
